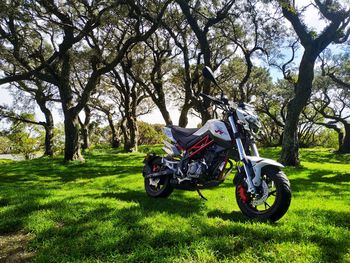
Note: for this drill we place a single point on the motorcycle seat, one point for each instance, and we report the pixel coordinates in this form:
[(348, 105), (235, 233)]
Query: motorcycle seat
[(184, 136)]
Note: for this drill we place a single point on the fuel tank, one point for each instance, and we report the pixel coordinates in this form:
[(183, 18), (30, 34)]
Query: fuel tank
[(218, 131)]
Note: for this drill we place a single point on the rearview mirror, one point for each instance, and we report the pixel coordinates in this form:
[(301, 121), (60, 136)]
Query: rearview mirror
[(208, 74)]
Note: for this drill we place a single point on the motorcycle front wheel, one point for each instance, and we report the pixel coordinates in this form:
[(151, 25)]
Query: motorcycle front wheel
[(273, 199)]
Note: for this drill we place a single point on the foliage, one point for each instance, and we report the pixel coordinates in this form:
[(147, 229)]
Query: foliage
[(58, 141), (97, 211), (327, 138), (101, 135), (5, 145), (25, 138), (150, 133), (123, 58), (23, 143)]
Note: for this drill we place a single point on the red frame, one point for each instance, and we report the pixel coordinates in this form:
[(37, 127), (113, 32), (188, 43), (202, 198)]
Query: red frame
[(199, 146)]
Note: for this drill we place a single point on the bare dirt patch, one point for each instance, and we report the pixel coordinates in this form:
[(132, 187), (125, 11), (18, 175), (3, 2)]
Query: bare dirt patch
[(13, 247)]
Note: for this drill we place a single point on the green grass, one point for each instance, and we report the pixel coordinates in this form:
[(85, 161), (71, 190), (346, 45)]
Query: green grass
[(97, 211)]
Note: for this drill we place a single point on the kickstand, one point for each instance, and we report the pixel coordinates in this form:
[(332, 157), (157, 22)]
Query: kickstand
[(200, 194)]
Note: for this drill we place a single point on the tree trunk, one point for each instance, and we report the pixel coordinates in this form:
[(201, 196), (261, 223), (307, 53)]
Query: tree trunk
[(49, 126), (131, 146), (49, 140), (85, 129), (183, 119), (130, 132), (201, 34), (86, 138), (290, 144), (340, 140), (345, 146), (72, 142), (164, 111), (115, 141), (71, 116)]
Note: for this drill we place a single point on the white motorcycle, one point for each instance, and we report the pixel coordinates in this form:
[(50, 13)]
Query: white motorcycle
[(201, 158)]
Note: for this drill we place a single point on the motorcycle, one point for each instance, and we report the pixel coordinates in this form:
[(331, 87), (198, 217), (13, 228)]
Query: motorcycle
[(201, 158)]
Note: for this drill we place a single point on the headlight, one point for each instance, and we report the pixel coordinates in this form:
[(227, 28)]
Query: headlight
[(254, 123)]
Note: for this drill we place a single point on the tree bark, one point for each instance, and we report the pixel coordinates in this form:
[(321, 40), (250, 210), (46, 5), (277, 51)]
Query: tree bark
[(183, 119), (72, 142), (71, 118), (290, 143), (338, 19), (345, 146), (49, 135), (115, 141), (49, 123), (85, 128), (130, 132), (85, 136), (165, 113), (201, 34), (340, 140)]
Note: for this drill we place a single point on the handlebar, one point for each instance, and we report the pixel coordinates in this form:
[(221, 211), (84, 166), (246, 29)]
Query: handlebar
[(213, 99)]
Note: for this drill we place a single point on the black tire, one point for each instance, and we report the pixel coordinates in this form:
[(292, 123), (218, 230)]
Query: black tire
[(163, 188), (277, 202)]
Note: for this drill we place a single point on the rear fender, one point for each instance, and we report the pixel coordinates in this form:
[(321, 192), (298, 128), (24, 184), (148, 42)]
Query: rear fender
[(259, 164), (147, 161), (150, 157)]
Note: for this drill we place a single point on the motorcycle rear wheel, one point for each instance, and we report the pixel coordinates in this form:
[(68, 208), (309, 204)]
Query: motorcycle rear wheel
[(156, 187), (278, 197)]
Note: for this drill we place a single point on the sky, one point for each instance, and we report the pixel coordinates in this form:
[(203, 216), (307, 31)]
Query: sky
[(311, 18)]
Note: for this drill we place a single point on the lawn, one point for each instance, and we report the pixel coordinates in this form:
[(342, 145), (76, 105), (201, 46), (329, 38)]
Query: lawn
[(97, 211)]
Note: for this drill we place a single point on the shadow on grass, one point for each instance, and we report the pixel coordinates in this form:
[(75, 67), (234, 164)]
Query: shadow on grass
[(184, 207), (329, 217), (323, 181), (17, 207), (324, 156), (50, 170), (123, 233), (126, 225), (234, 216)]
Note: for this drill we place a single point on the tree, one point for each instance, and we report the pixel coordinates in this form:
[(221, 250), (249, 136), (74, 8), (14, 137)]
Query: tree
[(182, 77), (101, 101), (76, 22), (149, 68), (337, 31), (42, 94), (332, 101), (201, 24), (130, 97), (254, 32), (24, 136), (272, 101)]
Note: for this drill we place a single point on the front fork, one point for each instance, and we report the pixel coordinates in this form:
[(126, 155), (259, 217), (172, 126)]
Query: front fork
[(243, 157)]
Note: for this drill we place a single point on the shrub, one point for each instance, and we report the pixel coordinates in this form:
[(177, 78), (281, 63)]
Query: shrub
[(5, 145), (150, 133)]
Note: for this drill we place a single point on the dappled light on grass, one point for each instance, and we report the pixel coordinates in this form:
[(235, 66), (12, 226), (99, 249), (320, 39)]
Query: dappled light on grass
[(98, 211)]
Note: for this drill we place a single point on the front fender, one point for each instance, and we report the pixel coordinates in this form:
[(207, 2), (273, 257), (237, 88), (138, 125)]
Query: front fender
[(258, 164)]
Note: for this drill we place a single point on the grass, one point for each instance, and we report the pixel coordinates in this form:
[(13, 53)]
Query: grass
[(97, 211)]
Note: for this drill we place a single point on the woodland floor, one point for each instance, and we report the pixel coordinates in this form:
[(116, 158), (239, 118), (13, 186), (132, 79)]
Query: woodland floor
[(97, 211)]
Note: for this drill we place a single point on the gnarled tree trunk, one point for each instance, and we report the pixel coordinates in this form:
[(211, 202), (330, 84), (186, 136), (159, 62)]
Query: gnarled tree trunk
[(115, 141), (290, 142), (85, 128), (49, 123), (338, 20), (345, 146), (130, 132), (49, 136), (72, 138)]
